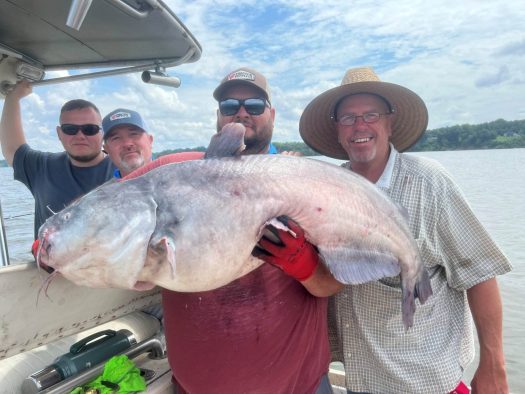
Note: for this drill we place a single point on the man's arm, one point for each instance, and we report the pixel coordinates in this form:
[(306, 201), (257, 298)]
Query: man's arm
[(322, 283), (485, 304), (11, 131)]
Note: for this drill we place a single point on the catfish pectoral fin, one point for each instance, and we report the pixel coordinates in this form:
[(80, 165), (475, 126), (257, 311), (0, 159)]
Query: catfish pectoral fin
[(355, 266), (158, 255)]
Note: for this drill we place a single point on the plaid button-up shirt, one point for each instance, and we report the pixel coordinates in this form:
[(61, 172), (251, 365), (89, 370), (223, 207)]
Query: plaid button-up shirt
[(366, 329)]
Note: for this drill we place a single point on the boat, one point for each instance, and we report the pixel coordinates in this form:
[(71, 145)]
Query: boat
[(39, 324), (95, 39)]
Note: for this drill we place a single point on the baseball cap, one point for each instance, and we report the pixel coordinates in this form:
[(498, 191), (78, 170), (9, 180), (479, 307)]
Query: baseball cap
[(243, 75), (119, 117)]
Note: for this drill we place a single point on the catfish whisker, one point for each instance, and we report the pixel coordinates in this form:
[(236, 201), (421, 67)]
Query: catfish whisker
[(45, 286)]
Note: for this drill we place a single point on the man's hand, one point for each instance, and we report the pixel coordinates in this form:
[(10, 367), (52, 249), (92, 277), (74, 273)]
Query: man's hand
[(21, 89), (485, 304), (291, 153), (489, 380), (11, 131), (294, 255)]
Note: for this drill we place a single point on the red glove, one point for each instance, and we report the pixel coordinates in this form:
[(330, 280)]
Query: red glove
[(34, 247), (294, 255)]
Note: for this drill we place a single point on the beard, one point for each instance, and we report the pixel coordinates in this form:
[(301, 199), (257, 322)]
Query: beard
[(84, 158), (362, 157), (131, 165), (259, 137)]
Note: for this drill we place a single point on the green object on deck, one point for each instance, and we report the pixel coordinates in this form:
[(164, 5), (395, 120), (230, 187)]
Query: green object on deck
[(120, 376)]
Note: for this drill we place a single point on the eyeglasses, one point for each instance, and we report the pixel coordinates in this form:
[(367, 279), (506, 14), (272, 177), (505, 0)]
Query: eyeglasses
[(369, 117), (87, 129), (254, 106)]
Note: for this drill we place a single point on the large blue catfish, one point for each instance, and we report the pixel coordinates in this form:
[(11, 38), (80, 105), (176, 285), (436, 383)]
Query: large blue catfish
[(192, 226)]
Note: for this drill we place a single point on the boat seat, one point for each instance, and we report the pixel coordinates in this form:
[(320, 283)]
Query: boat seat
[(14, 369)]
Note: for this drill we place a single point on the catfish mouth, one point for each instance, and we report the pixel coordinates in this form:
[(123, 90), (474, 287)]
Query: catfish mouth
[(45, 267), (42, 253)]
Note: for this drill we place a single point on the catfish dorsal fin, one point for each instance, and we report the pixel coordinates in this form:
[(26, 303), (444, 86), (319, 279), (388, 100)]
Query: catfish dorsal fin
[(227, 142)]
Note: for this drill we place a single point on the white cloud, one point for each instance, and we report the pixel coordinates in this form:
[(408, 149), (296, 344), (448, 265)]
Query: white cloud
[(464, 58)]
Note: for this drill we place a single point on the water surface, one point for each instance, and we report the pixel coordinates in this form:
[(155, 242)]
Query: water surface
[(493, 182)]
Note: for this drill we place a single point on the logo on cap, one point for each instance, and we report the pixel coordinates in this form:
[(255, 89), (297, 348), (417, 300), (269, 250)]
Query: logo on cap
[(120, 115), (241, 74)]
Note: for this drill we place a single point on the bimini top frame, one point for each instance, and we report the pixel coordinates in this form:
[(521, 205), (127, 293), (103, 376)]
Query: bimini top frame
[(120, 36)]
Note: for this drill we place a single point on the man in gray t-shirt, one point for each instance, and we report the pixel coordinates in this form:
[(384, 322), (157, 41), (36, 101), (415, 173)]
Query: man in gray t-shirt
[(55, 179)]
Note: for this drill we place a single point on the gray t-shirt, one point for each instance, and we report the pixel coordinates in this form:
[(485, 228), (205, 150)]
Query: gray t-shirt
[(54, 181)]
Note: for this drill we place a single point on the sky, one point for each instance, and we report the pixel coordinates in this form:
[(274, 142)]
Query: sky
[(466, 59)]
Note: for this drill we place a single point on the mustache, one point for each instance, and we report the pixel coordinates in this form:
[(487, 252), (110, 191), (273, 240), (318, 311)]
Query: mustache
[(245, 123)]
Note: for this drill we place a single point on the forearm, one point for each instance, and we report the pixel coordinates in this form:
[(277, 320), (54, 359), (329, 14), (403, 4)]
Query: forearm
[(485, 304), (11, 131), (322, 283)]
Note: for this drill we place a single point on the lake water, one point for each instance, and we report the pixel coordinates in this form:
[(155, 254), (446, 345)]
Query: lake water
[(493, 182)]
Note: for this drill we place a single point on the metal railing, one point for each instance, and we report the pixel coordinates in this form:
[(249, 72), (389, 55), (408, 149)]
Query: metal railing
[(4, 255)]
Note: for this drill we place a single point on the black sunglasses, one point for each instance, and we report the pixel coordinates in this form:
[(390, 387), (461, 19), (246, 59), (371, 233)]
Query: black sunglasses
[(254, 106), (87, 129)]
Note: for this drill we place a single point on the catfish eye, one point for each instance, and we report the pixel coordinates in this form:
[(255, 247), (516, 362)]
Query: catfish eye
[(67, 215)]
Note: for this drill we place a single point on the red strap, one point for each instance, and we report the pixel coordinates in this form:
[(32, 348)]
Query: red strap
[(461, 389), (167, 159), (34, 247)]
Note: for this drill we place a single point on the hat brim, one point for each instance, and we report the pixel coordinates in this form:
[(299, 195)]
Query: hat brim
[(318, 129)]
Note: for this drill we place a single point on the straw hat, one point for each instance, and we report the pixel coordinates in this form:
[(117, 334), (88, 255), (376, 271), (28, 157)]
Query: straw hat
[(317, 128)]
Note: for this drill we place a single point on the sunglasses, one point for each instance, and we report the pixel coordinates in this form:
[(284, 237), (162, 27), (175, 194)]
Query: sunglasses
[(87, 129), (254, 106)]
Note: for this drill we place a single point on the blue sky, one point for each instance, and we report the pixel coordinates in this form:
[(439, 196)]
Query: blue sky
[(466, 59)]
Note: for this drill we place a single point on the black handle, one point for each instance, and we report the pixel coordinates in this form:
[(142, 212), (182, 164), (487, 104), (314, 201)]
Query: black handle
[(83, 343)]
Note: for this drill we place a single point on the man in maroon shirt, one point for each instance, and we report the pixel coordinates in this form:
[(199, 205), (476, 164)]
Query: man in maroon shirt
[(265, 332)]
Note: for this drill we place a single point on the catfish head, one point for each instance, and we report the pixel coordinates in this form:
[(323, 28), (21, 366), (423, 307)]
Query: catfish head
[(101, 239)]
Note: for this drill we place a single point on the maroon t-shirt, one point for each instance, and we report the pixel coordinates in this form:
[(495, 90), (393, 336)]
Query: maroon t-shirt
[(263, 333)]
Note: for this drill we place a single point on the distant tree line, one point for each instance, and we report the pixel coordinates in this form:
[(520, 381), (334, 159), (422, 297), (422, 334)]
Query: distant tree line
[(281, 147), (499, 134), (169, 151)]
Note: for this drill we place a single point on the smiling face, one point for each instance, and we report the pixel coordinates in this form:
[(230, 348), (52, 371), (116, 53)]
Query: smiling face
[(129, 147), (82, 149), (367, 144)]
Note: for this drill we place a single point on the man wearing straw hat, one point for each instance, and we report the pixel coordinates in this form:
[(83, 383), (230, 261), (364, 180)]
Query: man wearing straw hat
[(370, 122)]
